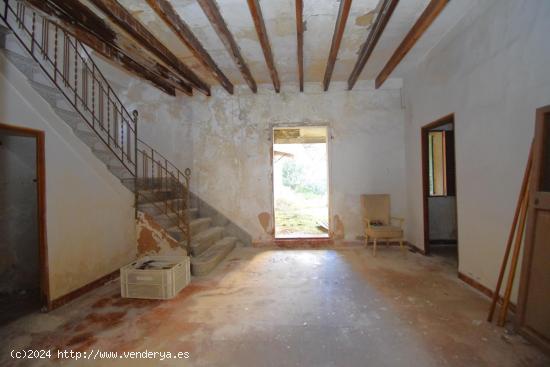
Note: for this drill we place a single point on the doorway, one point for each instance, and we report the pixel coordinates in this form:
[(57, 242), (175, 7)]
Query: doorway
[(439, 189), (533, 318), (300, 182), (23, 274)]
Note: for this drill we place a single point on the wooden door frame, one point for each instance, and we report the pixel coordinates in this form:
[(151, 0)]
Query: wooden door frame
[(299, 240), (41, 212), (424, 131), (529, 236)]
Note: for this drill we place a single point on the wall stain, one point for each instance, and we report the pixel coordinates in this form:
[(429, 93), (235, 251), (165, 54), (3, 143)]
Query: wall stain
[(365, 20)]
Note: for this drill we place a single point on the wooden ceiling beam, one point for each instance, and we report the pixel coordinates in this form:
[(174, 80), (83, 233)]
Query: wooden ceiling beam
[(300, 41), (256, 12), (386, 11), (124, 19), (90, 29), (167, 13), (212, 12), (343, 13), (431, 12)]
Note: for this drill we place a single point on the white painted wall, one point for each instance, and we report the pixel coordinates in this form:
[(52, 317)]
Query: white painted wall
[(230, 140), (492, 71), (90, 218)]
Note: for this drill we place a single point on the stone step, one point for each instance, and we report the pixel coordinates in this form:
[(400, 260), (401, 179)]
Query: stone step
[(195, 226), (199, 225), (106, 156), (89, 138), (25, 64), (11, 43), (203, 240), (176, 233), (169, 219), (209, 259), (119, 171), (156, 208), (49, 93), (159, 194)]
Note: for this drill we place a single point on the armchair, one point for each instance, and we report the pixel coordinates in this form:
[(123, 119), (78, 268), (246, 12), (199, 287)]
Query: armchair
[(378, 221)]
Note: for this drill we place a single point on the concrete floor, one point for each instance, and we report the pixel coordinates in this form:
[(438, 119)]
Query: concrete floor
[(273, 307)]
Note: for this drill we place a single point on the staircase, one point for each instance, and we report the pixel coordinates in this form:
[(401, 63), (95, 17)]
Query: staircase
[(61, 70)]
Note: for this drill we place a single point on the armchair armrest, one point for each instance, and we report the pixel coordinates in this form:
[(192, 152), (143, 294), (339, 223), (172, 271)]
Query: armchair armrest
[(367, 222), (398, 219)]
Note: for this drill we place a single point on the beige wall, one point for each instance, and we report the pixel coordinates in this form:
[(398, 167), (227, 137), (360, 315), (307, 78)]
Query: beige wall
[(492, 72), (230, 146), (89, 218)]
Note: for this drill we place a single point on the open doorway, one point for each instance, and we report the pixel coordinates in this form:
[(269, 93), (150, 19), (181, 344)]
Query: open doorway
[(300, 182), (439, 189), (23, 282)]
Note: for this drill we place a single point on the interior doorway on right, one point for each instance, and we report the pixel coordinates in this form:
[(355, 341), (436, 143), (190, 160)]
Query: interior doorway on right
[(440, 219)]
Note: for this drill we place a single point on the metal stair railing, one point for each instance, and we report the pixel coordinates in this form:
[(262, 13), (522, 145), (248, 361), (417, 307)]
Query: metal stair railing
[(69, 66)]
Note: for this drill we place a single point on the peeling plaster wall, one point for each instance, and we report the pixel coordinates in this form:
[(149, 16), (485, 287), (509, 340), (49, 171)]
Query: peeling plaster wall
[(492, 72), (231, 145), (89, 214), (232, 150), (152, 239)]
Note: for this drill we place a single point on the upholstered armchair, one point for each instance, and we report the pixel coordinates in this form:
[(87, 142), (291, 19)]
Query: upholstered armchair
[(379, 224)]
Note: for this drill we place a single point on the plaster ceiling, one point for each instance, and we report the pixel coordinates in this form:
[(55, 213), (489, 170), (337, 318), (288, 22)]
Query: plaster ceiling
[(320, 18)]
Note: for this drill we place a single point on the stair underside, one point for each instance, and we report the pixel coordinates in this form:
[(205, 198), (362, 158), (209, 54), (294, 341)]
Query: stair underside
[(209, 246)]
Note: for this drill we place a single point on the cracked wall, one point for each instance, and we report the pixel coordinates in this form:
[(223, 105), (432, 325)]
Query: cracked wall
[(226, 141)]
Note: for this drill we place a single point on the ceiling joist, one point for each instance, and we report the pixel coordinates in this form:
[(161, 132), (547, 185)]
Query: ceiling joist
[(167, 13), (91, 30), (386, 11), (124, 19), (422, 24), (300, 41), (212, 12), (256, 13), (343, 13)]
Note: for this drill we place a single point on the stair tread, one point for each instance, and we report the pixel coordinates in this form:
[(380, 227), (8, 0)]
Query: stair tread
[(204, 234), (200, 220), (218, 249), (48, 88)]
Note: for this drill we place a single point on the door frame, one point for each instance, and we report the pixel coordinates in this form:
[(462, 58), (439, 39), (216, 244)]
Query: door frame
[(424, 131), (520, 325), (272, 127), (38, 135)]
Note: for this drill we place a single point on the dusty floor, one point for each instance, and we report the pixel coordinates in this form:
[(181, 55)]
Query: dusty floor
[(290, 308)]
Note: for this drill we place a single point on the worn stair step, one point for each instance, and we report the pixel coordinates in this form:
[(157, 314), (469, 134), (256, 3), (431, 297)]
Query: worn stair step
[(11, 43), (89, 138), (176, 233), (120, 171), (159, 194), (25, 64), (169, 219), (106, 157), (199, 225), (209, 259), (73, 119), (49, 93), (203, 240)]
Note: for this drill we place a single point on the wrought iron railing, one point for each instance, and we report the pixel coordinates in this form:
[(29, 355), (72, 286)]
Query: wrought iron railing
[(68, 64)]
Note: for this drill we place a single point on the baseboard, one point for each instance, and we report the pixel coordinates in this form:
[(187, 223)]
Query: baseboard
[(415, 248), (483, 289), (58, 302), (443, 242)]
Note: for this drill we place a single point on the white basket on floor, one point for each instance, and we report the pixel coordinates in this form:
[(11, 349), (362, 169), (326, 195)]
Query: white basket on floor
[(155, 277)]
